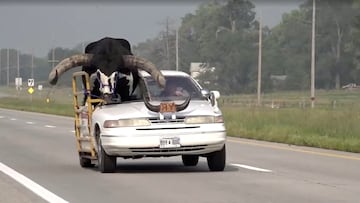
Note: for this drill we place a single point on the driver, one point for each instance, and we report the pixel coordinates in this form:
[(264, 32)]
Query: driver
[(172, 90)]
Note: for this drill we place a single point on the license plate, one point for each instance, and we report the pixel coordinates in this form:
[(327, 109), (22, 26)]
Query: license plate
[(167, 107), (172, 142)]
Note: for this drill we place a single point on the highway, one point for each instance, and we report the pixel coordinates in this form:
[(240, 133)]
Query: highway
[(39, 163)]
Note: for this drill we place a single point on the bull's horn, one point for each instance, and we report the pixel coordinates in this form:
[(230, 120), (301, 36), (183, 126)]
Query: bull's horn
[(141, 63), (180, 107), (68, 63), (156, 108)]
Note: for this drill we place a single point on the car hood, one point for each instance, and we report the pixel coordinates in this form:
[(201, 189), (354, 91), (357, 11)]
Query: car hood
[(139, 110)]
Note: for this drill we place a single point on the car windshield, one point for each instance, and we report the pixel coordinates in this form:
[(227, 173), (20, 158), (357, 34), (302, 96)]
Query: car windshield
[(177, 88)]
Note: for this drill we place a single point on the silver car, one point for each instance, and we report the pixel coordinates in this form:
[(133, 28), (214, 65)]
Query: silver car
[(187, 123)]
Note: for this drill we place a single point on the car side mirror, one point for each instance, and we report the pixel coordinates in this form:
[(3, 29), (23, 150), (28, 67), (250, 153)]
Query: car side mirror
[(214, 95), (205, 93)]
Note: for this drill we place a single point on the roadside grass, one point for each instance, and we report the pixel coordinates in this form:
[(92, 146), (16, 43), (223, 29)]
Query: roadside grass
[(284, 117), (37, 106), (287, 117), (336, 129), (59, 100)]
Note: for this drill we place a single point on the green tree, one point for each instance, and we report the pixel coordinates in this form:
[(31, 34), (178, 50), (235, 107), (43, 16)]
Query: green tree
[(335, 20), (223, 35), (354, 46)]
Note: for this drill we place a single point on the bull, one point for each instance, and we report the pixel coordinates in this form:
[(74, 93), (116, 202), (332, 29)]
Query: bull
[(115, 68)]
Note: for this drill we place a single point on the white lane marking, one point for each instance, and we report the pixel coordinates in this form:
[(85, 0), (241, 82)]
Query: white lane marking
[(2, 116), (29, 122), (49, 126), (13, 119), (252, 168), (31, 185), (73, 131)]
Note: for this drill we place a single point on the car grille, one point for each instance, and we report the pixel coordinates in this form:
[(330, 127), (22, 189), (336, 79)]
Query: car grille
[(168, 128), (162, 150), (167, 120)]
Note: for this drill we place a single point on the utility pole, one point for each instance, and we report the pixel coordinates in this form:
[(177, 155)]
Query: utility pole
[(259, 63), (32, 64), (53, 61), (83, 47), (0, 66), (177, 49), (167, 43), (18, 63), (7, 73), (312, 98)]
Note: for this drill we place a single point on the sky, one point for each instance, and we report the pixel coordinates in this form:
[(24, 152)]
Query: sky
[(37, 26)]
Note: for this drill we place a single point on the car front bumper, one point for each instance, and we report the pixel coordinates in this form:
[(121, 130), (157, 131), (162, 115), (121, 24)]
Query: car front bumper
[(132, 142)]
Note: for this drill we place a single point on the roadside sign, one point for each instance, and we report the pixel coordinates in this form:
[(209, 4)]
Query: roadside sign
[(31, 82), (18, 83), (31, 90), (40, 87)]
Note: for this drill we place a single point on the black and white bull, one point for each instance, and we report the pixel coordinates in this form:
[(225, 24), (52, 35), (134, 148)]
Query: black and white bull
[(112, 76), (115, 68)]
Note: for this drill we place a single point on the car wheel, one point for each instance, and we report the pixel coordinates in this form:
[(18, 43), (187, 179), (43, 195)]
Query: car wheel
[(107, 164), (216, 160), (85, 162), (190, 160)]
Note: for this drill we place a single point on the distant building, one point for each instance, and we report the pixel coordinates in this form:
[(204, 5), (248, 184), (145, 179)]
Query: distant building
[(198, 68), (278, 81), (278, 77)]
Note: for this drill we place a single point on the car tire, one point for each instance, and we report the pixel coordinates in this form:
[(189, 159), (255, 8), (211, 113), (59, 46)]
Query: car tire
[(190, 160), (216, 160), (106, 163), (85, 162)]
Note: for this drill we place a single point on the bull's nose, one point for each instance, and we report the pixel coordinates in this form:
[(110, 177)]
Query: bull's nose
[(107, 98), (106, 89)]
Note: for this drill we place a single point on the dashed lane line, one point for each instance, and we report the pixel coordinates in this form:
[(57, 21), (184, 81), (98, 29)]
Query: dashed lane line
[(49, 126), (31, 185), (252, 168)]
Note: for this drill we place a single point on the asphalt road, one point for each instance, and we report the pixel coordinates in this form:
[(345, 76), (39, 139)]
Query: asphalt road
[(41, 149)]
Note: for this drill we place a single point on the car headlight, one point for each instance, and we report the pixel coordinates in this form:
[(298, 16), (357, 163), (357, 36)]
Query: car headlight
[(126, 123), (204, 119)]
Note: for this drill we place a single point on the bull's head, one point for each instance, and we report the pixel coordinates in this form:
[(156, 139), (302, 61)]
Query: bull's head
[(84, 60), (107, 84), (107, 80)]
